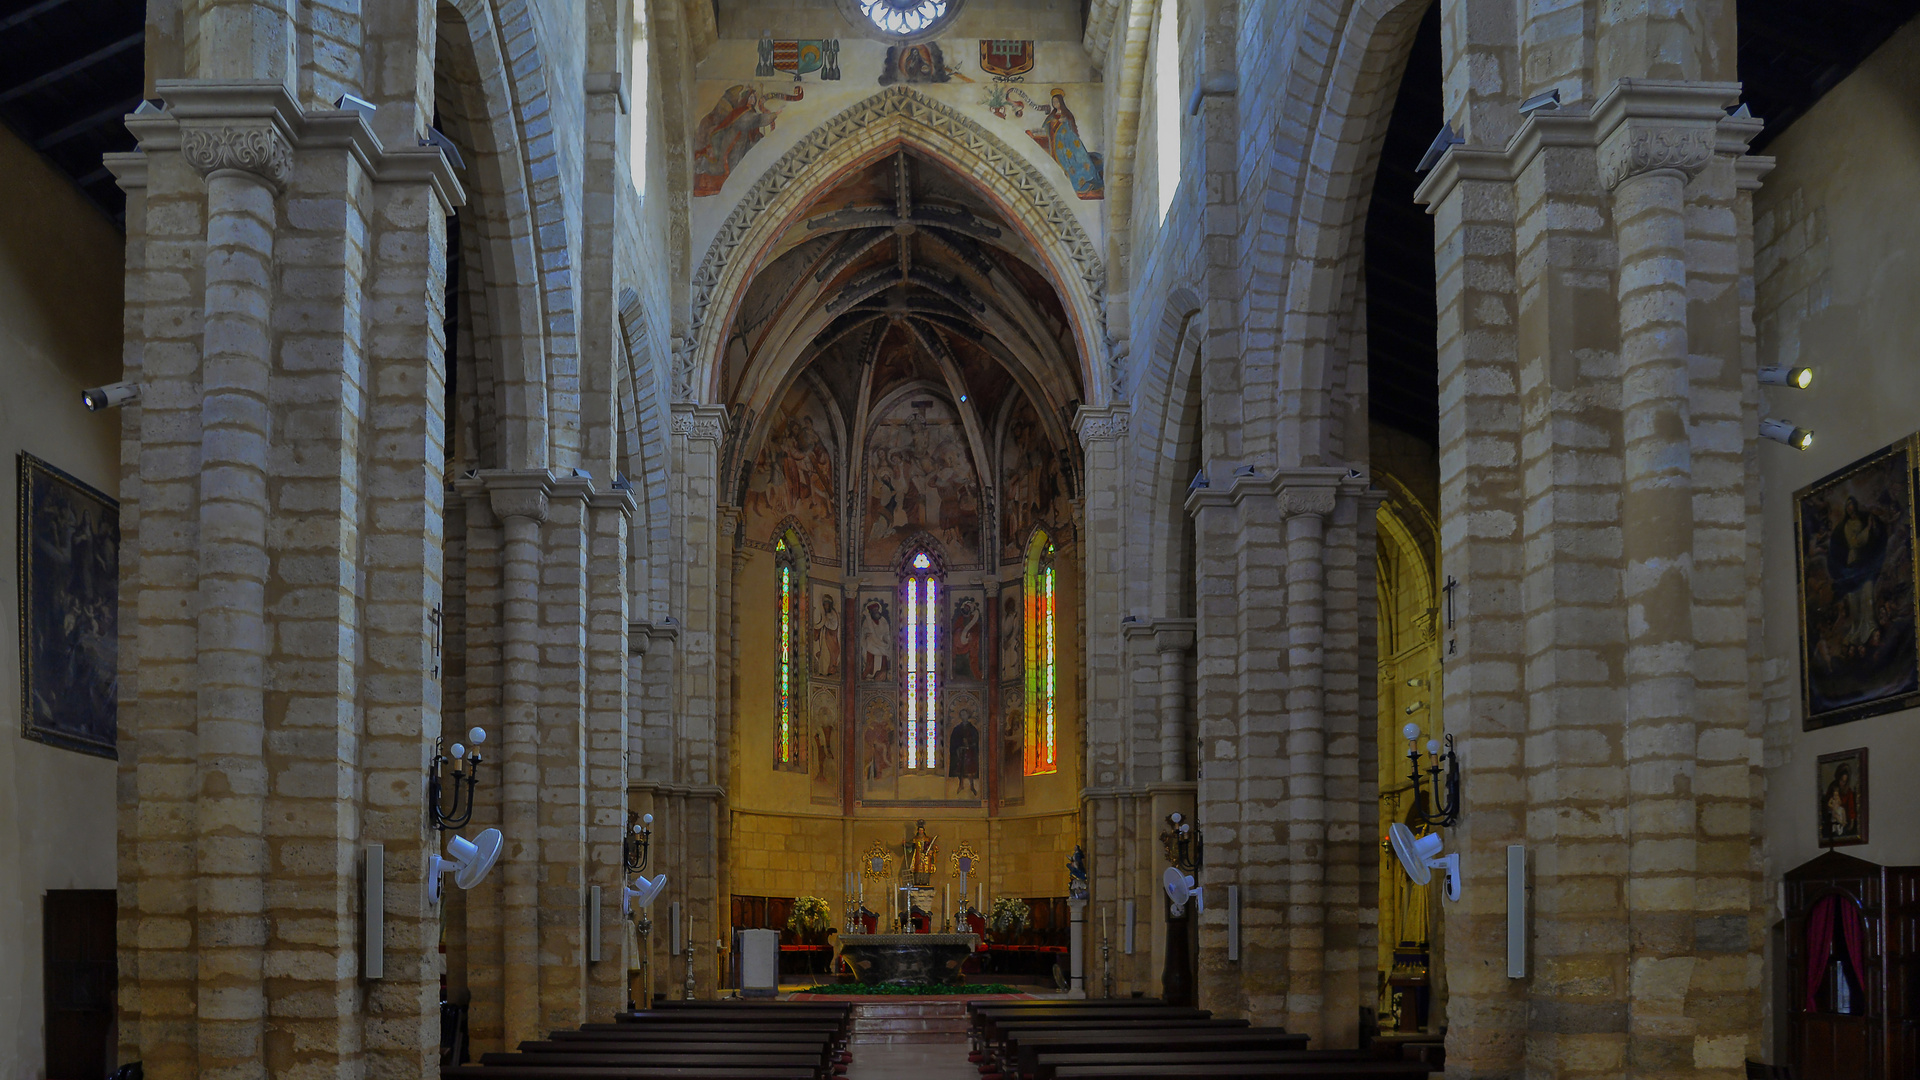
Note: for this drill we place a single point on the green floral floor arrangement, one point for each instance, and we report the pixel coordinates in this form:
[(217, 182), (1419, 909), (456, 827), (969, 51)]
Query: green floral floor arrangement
[(925, 990)]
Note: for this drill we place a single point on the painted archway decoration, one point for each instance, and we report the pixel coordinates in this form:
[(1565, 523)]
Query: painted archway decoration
[(894, 114)]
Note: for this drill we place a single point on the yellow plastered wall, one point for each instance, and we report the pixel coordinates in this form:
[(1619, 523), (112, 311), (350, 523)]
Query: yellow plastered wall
[(61, 266)]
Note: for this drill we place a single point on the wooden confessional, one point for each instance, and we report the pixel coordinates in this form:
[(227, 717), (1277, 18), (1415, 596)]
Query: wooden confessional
[(1853, 969)]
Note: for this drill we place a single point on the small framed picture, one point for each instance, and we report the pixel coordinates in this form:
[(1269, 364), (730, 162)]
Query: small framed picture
[(1843, 797)]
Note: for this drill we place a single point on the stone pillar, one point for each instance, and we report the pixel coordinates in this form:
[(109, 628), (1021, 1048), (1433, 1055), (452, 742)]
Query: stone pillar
[(563, 754), (1306, 502), (608, 515), (244, 167), (698, 432), (1076, 948), (520, 501), (1172, 640)]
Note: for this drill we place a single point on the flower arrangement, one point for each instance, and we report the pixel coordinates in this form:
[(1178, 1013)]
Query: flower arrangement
[(1008, 916), (810, 917)]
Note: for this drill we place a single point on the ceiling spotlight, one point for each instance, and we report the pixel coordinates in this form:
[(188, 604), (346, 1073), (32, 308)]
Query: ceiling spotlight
[(1438, 150), (1797, 377), (467, 860), (1783, 431), (1549, 101)]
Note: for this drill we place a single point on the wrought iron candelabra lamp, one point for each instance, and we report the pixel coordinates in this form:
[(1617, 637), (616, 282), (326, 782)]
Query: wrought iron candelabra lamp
[(638, 843), (1181, 842), (1444, 806), (454, 812)]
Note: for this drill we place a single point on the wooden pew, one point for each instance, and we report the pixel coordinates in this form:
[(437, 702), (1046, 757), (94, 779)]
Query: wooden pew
[(1201, 1062), (667, 1072), (709, 1041), (1019, 1055), (1175, 1069)]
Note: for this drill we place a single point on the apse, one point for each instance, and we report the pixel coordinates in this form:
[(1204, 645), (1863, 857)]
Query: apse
[(900, 374)]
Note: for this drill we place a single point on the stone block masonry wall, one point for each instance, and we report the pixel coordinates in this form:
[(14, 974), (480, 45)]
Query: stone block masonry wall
[(285, 603), (1594, 429)]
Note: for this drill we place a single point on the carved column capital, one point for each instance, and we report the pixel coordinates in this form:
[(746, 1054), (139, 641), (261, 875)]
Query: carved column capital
[(514, 493), (700, 422), (1102, 424), (258, 149), (1314, 491), (1638, 147)]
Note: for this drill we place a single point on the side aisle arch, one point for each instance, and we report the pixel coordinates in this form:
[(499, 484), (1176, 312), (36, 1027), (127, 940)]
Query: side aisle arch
[(896, 115)]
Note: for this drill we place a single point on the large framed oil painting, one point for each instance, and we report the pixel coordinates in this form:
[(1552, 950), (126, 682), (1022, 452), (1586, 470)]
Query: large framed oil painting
[(1854, 530), (69, 610), (1842, 784)]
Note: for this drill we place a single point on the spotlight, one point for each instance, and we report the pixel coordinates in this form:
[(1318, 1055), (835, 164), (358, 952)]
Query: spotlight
[(1797, 377), (1548, 101), (348, 101), (110, 396), (1438, 150), (467, 860), (1783, 431)]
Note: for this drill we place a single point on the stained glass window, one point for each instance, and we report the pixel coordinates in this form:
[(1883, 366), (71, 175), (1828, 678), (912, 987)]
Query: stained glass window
[(904, 16), (783, 692), (1043, 658), (922, 668)]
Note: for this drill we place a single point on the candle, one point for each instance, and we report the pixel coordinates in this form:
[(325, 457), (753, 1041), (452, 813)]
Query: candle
[(946, 904), (982, 905)]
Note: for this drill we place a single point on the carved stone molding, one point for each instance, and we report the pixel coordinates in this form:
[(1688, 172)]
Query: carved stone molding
[(700, 422), (1101, 425), (1318, 501), (257, 149), (856, 124), (1638, 149)]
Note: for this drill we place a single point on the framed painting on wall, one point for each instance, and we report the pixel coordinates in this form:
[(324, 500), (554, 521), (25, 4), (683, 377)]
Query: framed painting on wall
[(1842, 789), (1853, 542), (69, 537)]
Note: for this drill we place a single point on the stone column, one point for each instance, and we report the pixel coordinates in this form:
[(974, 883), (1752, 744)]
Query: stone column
[(244, 164), (1648, 164), (1483, 621), (563, 753), (698, 432), (1172, 640), (1076, 948), (608, 515), (519, 500)]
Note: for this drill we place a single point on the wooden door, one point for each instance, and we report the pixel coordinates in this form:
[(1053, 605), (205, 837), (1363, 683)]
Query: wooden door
[(78, 982)]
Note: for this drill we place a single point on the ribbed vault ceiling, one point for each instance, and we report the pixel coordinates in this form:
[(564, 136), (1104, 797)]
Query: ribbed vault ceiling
[(902, 271)]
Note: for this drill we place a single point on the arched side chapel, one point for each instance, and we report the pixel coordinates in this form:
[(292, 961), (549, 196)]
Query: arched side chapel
[(804, 434)]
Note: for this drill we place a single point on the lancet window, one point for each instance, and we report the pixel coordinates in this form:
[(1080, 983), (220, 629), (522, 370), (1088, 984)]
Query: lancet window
[(1043, 658), (790, 675), (920, 600)]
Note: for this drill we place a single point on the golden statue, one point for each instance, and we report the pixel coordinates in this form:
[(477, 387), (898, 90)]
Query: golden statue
[(921, 851)]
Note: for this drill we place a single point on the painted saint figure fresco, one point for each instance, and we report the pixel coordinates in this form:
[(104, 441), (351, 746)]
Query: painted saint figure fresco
[(1059, 136), (741, 118)]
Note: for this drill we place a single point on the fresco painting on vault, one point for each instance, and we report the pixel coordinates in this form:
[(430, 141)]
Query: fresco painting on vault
[(823, 713), (1032, 491), (1008, 62), (824, 630), (920, 479), (923, 63), (968, 636), (1059, 135), (879, 734), (741, 118), (965, 719), (794, 477), (1855, 531), (876, 636), (798, 58)]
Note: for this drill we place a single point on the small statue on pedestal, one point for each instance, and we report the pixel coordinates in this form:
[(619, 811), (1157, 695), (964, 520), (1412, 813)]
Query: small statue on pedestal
[(1077, 873)]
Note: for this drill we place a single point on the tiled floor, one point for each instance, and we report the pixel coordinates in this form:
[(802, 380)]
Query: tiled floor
[(912, 1061)]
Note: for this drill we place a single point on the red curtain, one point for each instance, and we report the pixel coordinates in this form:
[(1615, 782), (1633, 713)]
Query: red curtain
[(1831, 913)]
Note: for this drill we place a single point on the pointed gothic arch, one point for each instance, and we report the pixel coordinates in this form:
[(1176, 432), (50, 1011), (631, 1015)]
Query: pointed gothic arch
[(897, 116)]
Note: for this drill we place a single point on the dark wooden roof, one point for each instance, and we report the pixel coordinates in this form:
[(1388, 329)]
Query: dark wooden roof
[(69, 71)]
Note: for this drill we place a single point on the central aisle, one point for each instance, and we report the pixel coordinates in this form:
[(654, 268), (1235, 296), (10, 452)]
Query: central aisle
[(917, 1061), (920, 1039)]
